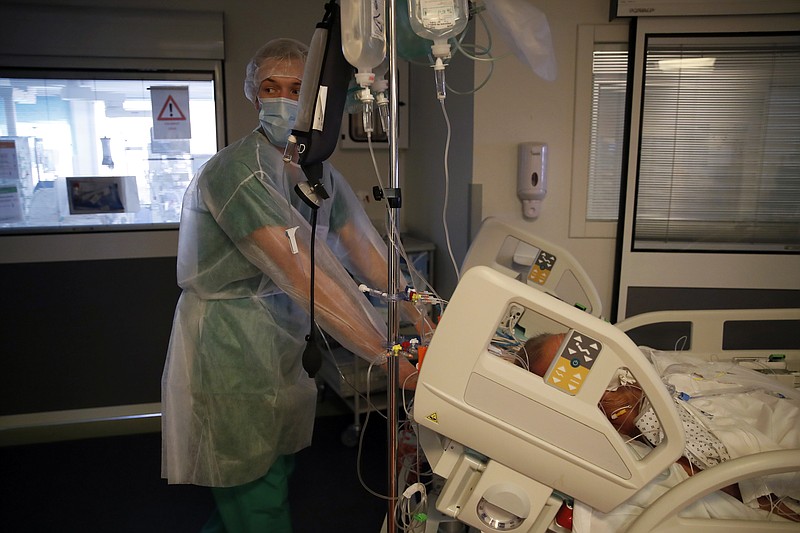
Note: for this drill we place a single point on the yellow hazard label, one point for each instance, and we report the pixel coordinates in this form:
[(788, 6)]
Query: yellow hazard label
[(433, 417)]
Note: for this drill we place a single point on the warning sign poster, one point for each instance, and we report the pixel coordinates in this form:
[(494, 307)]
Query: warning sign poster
[(171, 112)]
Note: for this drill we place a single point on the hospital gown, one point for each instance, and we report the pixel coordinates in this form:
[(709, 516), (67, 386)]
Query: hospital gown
[(747, 412), (235, 395)]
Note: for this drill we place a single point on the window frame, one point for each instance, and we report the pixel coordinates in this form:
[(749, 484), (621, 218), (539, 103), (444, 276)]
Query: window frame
[(158, 79), (750, 273), (676, 112), (158, 241), (589, 37)]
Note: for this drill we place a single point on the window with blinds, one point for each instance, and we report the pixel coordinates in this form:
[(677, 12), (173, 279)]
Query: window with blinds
[(609, 80), (719, 158)]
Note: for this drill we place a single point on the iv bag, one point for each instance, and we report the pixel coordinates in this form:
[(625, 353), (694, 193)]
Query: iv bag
[(363, 33), (410, 46), (438, 20)]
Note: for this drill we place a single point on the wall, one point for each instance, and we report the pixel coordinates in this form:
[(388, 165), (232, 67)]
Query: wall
[(515, 106), (518, 106), (98, 337)]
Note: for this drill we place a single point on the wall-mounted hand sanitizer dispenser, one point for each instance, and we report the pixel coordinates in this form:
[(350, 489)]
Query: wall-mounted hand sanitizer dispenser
[(532, 177)]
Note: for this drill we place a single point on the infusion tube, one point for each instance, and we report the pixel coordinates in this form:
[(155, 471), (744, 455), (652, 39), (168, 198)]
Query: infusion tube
[(438, 78)]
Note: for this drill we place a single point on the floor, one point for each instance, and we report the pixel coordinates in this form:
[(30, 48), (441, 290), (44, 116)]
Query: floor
[(113, 484)]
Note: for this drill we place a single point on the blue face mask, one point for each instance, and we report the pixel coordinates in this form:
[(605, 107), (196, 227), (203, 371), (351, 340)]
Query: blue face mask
[(277, 116)]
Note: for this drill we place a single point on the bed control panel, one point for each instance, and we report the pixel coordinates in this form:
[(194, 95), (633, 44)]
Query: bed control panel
[(542, 267), (573, 362)]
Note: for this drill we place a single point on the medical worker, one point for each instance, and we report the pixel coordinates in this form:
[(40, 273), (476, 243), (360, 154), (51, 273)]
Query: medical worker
[(237, 402)]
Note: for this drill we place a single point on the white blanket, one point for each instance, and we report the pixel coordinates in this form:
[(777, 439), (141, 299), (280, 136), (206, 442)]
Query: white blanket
[(715, 505), (745, 410)]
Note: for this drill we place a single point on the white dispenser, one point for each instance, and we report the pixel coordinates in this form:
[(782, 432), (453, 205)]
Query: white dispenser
[(532, 177)]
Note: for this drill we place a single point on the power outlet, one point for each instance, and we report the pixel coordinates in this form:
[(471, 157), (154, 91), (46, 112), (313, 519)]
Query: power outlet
[(513, 316)]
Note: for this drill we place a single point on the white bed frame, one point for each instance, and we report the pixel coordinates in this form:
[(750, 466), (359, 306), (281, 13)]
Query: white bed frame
[(707, 330), (707, 335), (497, 246)]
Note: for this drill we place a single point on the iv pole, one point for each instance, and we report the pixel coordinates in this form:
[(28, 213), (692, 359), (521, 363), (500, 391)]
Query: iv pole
[(393, 385)]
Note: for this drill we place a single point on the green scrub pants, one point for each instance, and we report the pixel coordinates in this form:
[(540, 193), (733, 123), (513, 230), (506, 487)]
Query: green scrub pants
[(261, 506)]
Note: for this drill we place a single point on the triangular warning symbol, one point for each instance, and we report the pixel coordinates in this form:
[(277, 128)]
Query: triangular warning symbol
[(433, 417), (171, 111)]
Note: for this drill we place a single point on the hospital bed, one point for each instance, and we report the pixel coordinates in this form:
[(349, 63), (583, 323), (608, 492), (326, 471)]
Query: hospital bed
[(510, 446)]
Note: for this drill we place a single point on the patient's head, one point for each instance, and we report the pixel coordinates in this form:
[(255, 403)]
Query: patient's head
[(621, 406), (538, 352)]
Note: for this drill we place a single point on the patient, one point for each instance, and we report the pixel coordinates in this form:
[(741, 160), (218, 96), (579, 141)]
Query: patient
[(621, 405), (627, 409)]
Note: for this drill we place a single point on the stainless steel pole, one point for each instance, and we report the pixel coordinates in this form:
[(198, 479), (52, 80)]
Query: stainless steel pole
[(393, 385)]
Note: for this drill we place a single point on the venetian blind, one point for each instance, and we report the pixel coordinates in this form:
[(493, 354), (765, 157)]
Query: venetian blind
[(720, 144), (609, 78)]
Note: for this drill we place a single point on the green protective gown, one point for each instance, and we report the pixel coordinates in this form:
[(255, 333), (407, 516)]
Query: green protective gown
[(234, 392)]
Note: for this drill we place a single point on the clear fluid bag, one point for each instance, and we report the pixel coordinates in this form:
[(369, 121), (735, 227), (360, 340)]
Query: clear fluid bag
[(363, 33), (438, 20)]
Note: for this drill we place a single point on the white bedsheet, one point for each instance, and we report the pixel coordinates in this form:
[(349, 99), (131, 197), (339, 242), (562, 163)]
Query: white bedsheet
[(715, 505), (747, 411)]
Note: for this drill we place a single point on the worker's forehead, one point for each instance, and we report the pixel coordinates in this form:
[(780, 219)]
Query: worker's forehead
[(280, 68)]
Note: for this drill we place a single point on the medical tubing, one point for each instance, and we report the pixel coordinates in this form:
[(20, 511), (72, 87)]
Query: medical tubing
[(344, 378), (361, 446), (394, 235), (312, 358), (447, 190)]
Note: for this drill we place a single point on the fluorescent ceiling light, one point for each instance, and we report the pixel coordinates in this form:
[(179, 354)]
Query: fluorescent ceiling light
[(137, 105), (686, 62)]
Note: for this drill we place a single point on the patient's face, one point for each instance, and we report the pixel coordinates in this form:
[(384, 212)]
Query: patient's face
[(621, 407)]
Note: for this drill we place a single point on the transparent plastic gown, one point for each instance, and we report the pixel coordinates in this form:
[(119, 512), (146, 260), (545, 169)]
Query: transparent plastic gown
[(235, 394)]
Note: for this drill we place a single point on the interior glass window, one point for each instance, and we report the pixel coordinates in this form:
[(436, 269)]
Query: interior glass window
[(720, 139), (609, 83), (101, 150)]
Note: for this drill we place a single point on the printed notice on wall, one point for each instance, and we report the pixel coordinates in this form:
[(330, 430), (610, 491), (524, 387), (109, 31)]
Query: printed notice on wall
[(9, 171), (10, 203), (10, 197), (171, 112)]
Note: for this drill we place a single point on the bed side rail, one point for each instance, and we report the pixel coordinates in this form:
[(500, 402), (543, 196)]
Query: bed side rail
[(709, 332), (662, 516)]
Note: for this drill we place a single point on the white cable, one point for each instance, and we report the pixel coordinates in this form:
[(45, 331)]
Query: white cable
[(361, 446), (413, 515), (347, 382), (447, 190)]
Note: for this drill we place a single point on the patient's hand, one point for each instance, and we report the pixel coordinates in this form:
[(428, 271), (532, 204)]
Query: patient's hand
[(407, 374), (771, 504)]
